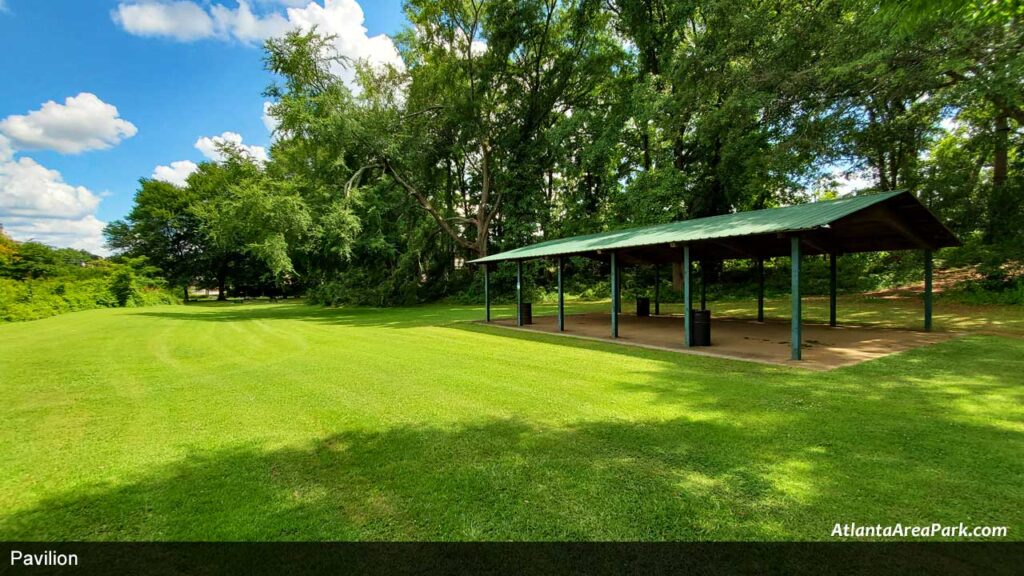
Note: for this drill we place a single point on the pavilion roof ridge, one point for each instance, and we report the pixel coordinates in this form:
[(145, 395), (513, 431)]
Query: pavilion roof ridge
[(782, 219)]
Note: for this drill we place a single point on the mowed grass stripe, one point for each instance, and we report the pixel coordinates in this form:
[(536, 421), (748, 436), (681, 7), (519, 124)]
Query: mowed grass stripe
[(285, 421)]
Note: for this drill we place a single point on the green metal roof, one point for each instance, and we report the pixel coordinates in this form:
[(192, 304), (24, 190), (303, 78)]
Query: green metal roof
[(768, 221)]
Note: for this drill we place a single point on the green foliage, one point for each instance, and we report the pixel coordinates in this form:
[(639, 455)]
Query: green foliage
[(122, 285), (515, 121), (989, 292), (37, 281)]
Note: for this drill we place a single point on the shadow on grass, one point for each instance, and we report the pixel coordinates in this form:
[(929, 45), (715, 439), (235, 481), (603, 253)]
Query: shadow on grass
[(723, 450), (761, 459), (503, 479)]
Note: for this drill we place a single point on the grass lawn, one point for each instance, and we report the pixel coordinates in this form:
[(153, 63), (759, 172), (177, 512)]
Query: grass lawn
[(284, 421)]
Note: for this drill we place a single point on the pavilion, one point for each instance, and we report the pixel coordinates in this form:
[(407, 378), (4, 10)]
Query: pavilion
[(865, 223)]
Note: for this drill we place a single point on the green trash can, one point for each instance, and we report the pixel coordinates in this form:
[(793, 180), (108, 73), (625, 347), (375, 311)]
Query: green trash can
[(700, 328), (526, 313), (643, 306)]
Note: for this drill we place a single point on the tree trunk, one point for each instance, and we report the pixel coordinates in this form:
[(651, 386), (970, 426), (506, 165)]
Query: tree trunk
[(998, 205), (222, 281), (999, 162), (184, 291)]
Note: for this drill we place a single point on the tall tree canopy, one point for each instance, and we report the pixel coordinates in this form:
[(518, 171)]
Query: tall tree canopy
[(514, 121)]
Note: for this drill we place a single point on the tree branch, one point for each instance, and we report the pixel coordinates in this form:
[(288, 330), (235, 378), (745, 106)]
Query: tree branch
[(425, 203)]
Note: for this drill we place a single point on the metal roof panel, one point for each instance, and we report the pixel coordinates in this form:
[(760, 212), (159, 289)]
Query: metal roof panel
[(768, 221)]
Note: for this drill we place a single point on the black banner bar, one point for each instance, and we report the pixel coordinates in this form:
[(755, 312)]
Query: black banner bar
[(395, 559)]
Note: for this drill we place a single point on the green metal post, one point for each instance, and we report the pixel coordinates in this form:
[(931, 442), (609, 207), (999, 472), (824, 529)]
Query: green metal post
[(794, 290), (760, 289), (687, 300), (832, 289), (618, 290), (928, 290), (615, 296), (657, 290), (703, 286), (519, 292), (487, 295), (561, 299)]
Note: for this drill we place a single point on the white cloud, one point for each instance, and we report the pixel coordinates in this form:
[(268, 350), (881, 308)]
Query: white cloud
[(181, 20), (83, 122), (241, 24), (187, 20), (6, 152), (36, 203), (177, 173), (85, 233), (269, 121), (210, 147), (845, 179), (344, 19), (28, 188)]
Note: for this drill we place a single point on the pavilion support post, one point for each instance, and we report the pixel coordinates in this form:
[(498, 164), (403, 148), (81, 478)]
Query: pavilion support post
[(703, 285), (615, 296), (687, 298), (619, 290), (487, 294), (796, 327), (657, 290), (928, 290), (760, 289), (832, 289), (519, 292), (561, 299)]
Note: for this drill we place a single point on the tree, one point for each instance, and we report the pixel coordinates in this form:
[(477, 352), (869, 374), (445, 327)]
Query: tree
[(163, 227)]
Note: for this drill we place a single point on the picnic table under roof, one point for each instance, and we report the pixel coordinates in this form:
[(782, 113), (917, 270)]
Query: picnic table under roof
[(885, 221)]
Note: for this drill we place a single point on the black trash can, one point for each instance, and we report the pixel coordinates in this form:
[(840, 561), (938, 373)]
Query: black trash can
[(526, 313), (700, 331), (643, 306)]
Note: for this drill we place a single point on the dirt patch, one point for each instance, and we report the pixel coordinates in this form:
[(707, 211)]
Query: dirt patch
[(944, 280), (824, 347)]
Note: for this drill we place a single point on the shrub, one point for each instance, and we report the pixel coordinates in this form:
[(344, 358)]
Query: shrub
[(122, 285)]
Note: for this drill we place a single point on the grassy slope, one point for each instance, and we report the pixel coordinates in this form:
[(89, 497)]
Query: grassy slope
[(291, 422)]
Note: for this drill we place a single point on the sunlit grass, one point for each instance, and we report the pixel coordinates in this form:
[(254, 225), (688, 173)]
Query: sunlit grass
[(285, 421)]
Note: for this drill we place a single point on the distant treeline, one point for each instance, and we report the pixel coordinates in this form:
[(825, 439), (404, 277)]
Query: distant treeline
[(516, 121), (37, 281)]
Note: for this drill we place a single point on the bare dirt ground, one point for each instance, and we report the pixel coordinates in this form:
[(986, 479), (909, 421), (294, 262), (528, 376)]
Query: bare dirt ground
[(943, 280), (824, 347)]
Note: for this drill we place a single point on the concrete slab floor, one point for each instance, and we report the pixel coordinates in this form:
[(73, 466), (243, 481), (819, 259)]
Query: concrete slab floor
[(824, 347)]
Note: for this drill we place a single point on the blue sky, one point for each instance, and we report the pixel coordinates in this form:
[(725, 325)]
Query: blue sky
[(177, 71)]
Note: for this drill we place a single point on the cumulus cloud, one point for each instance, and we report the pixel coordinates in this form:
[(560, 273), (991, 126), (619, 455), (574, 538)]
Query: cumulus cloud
[(210, 147), (269, 121), (81, 123), (177, 173), (36, 203), (344, 19), (186, 20), (84, 234), (30, 189), (6, 152), (181, 20), (243, 25)]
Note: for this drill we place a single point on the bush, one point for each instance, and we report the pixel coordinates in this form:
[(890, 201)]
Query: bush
[(34, 299), (122, 285)]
